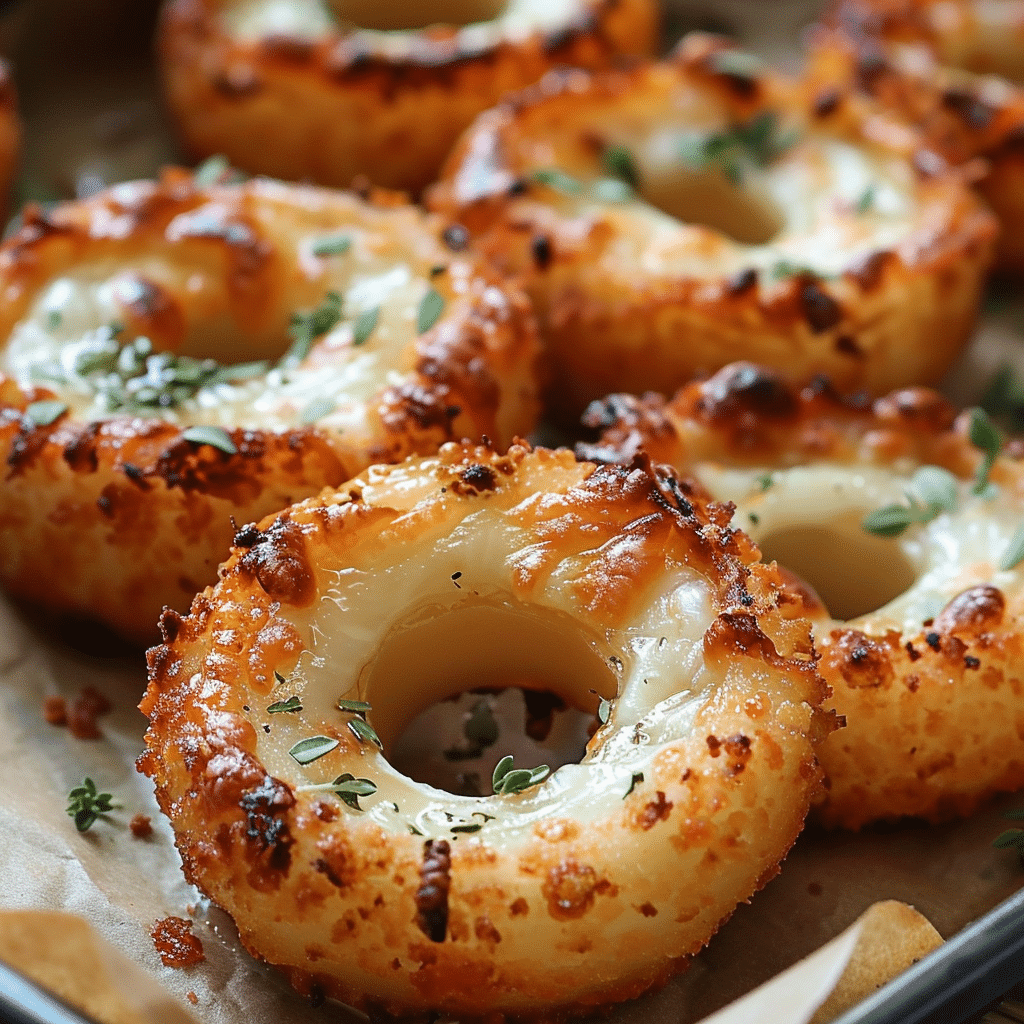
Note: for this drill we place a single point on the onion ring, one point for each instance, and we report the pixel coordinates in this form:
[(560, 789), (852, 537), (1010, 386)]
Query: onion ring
[(874, 505), (387, 104), (613, 586), (826, 251), (129, 450)]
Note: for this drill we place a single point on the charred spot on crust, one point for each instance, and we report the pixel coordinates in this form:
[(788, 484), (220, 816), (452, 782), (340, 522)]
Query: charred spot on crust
[(541, 250), (869, 270), (849, 347), (821, 311), (266, 828), (976, 610), (170, 624), (247, 536), (80, 452), (432, 894), (975, 113), (827, 102), (746, 388), (279, 562), (455, 237), (656, 810), (871, 66), (476, 478), (742, 282), (862, 661)]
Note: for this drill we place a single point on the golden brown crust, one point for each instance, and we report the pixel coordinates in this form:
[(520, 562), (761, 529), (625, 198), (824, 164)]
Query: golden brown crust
[(932, 704), (631, 299), (341, 104), (115, 516), (925, 65), (387, 906)]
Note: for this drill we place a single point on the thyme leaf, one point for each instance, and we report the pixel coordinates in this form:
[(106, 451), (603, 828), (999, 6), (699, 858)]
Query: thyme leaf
[(317, 409), (619, 162), (86, 804), (357, 707), (637, 778), (215, 437), (506, 780), (986, 437), (936, 487), (42, 414), (211, 171), (332, 245), (291, 704), (553, 178), (1014, 553), (313, 747), (365, 324), (757, 143), (430, 309), (604, 710), (308, 326), (363, 731)]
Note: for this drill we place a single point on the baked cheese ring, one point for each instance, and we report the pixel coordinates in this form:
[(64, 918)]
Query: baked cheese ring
[(387, 100), (274, 704), (916, 587), (151, 387), (952, 69), (675, 217)]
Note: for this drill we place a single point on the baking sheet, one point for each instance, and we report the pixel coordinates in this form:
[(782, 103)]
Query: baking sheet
[(93, 116)]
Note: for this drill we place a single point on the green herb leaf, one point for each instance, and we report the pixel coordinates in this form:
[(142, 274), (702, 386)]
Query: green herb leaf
[(474, 827), (54, 318), (85, 804), (765, 480), (936, 487), (215, 437), (611, 190), (553, 178), (363, 731), (365, 324), (1014, 553), (210, 171), (604, 710), (618, 161), (350, 789), (755, 143), (307, 327), (737, 63), (291, 704), (787, 268), (413, 829), (867, 199), (430, 309), (357, 707), (986, 437), (507, 780), (308, 750), (1004, 397), (278, 677), (42, 414), (889, 521), (317, 410), (638, 777), (1011, 837), (332, 245)]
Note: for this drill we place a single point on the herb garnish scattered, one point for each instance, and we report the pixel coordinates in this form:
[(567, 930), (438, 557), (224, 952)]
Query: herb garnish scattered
[(867, 199), (618, 162), (936, 489), (1014, 553), (985, 436), (755, 143), (357, 707), (1004, 397), (481, 731), (42, 414), (765, 480), (332, 245), (363, 731), (215, 437), (507, 780), (347, 786), (365, 324), (85, 804), (317, 409), (637, 778), (558, 180), (54, 318), (1012, 837), (430, 309), (308, 750), (604, 710), (307, 327), (291, 704)]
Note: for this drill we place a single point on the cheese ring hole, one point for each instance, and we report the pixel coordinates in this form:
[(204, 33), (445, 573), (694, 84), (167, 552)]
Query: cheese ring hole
[(434, 656), (707, 197), (414, 14), (853, 572), (455, 744)]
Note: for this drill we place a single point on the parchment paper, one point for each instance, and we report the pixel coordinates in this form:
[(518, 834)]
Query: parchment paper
[(92, 115)]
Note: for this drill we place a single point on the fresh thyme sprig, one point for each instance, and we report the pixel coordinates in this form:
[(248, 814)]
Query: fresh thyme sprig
[(937, 490), (86, 804), (757, 142), (507, 780), (346, 786)]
